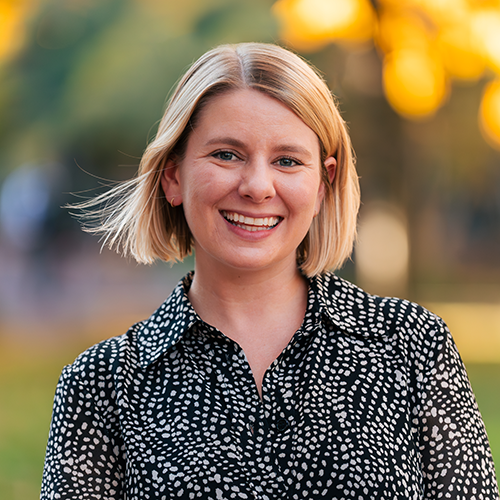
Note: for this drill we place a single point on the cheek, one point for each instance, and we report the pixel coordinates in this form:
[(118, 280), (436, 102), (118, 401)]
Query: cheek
[(203, 193), (320, 196), (304, 193), (192, 181)]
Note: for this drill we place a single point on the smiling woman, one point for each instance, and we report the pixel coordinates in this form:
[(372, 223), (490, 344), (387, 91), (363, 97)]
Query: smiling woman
[(238, 171), (136, 218), (263, 375)]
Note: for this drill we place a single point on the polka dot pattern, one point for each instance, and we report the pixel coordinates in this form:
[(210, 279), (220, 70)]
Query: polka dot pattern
[(369, 400)]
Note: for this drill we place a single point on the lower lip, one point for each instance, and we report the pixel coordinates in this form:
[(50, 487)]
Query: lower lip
[(254, 235)]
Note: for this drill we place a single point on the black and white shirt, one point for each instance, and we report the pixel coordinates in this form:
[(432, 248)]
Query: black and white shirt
[(369, 400)]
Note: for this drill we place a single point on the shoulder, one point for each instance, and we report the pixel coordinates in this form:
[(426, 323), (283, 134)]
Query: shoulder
[(357, 312), (103, 361), (143, 343)]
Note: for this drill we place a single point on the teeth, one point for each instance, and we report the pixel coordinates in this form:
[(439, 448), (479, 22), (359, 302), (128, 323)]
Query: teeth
[(249, 223)]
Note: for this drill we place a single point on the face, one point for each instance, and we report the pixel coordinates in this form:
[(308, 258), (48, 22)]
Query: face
[(250, 182)]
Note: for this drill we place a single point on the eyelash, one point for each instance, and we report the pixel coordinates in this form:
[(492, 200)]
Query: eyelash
[(218, 155), (294, 160)]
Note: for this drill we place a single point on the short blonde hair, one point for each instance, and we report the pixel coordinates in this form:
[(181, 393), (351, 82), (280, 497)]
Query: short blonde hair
[(135, 218)]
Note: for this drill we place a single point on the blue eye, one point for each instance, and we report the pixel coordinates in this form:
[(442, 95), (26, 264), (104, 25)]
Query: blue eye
[(224, 155), (287, 162)]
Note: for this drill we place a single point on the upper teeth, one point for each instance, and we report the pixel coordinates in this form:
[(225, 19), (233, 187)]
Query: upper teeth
[(251, 221)]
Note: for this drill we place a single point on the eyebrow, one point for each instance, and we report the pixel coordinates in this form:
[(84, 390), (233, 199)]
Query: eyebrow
[(292, 148), (231, 141), (286, 148)]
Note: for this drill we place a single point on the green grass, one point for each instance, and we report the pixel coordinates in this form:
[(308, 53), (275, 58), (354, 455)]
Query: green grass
[(485, 380), (26, 393), (27, 384)]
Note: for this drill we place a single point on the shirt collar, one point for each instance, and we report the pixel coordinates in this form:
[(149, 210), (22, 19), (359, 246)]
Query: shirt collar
[(353, 310), (345, 305), (167, 325)]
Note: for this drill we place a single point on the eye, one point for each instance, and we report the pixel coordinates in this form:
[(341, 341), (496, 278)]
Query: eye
[(286, 161), (224, 155)]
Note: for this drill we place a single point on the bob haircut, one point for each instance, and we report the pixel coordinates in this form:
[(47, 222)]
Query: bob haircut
[(135, 218)]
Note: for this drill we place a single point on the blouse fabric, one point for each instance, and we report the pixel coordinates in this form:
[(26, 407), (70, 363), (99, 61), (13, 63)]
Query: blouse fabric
[(369, 400)]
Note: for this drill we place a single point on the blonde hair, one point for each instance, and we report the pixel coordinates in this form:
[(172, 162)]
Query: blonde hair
[(135, 218)]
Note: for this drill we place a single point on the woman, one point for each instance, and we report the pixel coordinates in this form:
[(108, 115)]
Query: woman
[(263, 375)]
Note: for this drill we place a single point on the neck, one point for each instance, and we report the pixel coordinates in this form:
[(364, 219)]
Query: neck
[(220, 292), (259, 310)]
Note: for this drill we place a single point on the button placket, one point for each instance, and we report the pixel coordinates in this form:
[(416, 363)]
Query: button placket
[(255, 431), (245, 403), (281, 404), (282, 425)]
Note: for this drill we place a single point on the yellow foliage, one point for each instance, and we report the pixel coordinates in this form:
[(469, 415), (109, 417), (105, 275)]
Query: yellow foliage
[(402, 29), (484, 4), (310, 24), (424, 44), (414, 82), (486, 27), (444, 12), (489, 113), (12, 26), (460, 52)]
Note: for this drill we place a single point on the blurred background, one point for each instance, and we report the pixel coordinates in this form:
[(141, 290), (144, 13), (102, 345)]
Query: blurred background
[(83, 84)]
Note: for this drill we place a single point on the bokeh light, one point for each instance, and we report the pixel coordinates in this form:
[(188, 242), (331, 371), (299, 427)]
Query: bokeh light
[(461, 58), (399, 29), (310, 24), (424, 44), (382, 250), (486, 25), (414, 82), (12, 26), (489, 113), (83, 86)]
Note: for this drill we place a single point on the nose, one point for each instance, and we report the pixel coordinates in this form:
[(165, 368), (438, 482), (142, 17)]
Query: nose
[(257, 181)]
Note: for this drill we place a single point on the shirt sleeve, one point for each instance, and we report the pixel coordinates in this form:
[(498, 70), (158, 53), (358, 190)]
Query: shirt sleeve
[(84, 458), (456, 457)]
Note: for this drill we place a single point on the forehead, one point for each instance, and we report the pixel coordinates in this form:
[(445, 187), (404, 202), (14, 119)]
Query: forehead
[(253, 115)]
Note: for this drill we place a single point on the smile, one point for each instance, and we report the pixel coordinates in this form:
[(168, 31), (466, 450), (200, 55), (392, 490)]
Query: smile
[(250, 223)]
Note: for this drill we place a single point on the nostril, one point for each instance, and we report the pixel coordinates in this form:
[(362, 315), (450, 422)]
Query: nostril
[(257, 182)]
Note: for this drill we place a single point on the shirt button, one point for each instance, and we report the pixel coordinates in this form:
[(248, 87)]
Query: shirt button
[(282, 425)]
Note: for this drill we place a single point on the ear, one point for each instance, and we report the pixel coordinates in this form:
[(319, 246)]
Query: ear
[(331, 167), (170, 182)]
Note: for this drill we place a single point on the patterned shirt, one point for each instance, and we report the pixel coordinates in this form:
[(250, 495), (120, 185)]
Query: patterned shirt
[(369, 400)]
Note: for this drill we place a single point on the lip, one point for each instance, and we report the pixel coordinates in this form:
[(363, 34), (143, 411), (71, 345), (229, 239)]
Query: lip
[(251, 223)]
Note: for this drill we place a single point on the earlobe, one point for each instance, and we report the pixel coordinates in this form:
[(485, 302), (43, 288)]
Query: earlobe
[(170, 183)]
